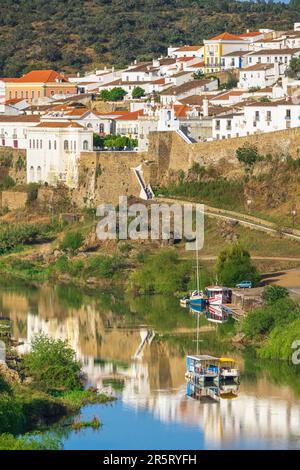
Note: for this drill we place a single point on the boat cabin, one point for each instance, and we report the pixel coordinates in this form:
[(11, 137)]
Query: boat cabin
[(202, 367), (218, 295)]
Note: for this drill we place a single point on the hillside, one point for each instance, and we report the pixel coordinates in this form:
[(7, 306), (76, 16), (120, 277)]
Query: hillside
[(79, 34)]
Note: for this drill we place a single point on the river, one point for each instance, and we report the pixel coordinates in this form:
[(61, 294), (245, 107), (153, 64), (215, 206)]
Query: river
[(135, 348)]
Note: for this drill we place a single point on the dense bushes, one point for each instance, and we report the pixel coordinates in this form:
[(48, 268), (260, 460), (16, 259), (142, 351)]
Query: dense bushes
[(13, 235), (162, 272), (52, 365), (72, 241), (218, 192)]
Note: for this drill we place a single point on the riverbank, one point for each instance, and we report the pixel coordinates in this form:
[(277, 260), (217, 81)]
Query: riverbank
[(41, 389)]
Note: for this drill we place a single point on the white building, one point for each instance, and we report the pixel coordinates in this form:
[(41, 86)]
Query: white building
[(273, 56), (53, 152), (186, 51), (259, 75), (14, 130)]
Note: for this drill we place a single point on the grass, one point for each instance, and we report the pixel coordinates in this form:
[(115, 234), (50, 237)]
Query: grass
[(95, 423)]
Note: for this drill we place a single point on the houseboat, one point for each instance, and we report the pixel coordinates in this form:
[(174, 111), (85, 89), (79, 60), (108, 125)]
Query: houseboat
[(228, 369), (216, 314), (218, 295), (202, 368)]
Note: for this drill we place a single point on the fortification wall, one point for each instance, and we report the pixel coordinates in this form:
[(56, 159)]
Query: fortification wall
[(13, 164), (104, 176), (173, 154), (13, 200)]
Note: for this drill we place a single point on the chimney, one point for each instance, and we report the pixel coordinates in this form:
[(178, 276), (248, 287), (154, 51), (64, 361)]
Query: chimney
[(205, 107)]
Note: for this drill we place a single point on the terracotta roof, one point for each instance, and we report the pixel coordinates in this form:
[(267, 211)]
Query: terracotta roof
[(14, 101), (78, 111), (60, 124), (130, 116), (185, 59), (22, 118), (199, 64), (194, 100), (235, 53), (226, 37), (41, 76), (181, 110)]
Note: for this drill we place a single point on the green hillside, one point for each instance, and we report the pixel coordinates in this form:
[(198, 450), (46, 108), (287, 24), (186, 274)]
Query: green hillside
[(81, 34)]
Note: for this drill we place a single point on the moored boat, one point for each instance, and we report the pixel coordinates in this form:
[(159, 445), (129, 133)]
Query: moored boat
[(201, 368), (218, 295), (228, 369)]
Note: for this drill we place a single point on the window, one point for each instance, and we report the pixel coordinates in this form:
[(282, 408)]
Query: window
[(31, 174), (85, 145), (32, 94), (10, 95), (39, 94), (49, 144), (101, 128), (218, 124), (55, 145), (288, 114), (257, 115), (16, 94), (37, 143), (39, 173), (22, 94), (33, 143), (74, 146), (269, 116), (66, 145), (30, 143), (26, 95), (41, 144), (228, 125)]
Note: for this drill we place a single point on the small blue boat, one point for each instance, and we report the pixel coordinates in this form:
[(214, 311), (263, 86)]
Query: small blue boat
[(198, 298)]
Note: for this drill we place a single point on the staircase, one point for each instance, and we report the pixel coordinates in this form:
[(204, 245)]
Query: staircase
[(146, 190), (184, 136)]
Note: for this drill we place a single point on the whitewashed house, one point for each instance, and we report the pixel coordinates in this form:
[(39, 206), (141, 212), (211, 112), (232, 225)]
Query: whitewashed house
[(14, 130), (259, 76), (53, 151)]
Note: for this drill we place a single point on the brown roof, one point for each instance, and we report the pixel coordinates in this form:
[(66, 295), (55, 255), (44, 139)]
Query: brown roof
[(193, 84), (22, 118), (257, 67), (59, 124), (226, 37), (276, 51)]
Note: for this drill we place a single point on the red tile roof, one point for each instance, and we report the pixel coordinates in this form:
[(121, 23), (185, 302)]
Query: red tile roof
[(131, 116), (188, 48), (38, 76), (226, 37)]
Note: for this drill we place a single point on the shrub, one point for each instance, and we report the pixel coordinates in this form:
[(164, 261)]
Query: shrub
[(52, 365), (138, 92), (234, 265), (103, 266), (273, 293), (7, 182), (247, 155), (162, 273), (72, 241)]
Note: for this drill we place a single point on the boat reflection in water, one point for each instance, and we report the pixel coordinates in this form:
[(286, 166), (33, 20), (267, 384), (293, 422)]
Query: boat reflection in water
[(212, 313), (211, 393)]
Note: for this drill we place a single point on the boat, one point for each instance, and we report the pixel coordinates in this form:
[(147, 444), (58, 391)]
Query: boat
[(184, 302), (198, 298), (218, 295), (202, 368), (228, 369), (207, 393), (216, 314), (228, 391)]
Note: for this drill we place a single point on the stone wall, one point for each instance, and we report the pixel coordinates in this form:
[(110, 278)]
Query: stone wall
[(13, 200), (13, 163), (104, 176), (172, 153)]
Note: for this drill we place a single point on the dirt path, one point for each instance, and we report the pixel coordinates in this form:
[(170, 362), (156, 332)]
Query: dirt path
[(243, 219)]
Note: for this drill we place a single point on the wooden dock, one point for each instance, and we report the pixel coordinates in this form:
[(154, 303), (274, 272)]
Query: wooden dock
[(235, 311)]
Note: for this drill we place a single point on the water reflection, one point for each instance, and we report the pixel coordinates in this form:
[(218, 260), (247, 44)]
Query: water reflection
[(136, 348)]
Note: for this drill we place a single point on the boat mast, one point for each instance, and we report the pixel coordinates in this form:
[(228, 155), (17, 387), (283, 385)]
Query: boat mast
[(197, 258)]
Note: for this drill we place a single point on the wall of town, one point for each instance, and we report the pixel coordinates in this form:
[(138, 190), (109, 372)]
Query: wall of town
[(13, 164), (104, 176), (173, 154), (13, 200)]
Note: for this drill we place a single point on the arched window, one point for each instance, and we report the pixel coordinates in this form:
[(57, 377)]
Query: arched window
[(55, 145), (101, 128), (74, 145), (41, 144), (49, 144), (33, 142), (66, 145), (37, 143), (85, 145), (38, 173), (31, 174)]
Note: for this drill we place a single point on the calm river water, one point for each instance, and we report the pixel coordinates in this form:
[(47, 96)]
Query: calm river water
[(135, 349)]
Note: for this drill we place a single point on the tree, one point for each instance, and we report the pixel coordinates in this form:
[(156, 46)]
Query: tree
[(98, 141), (138, 92), (52, 365), (234, 265), (198, 75), (273, 293), (294, 68), (116, 94), (247, 155)]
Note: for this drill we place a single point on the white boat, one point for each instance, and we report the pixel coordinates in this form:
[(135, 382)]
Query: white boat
[(202, 368), (228, 369), (218, 295)]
